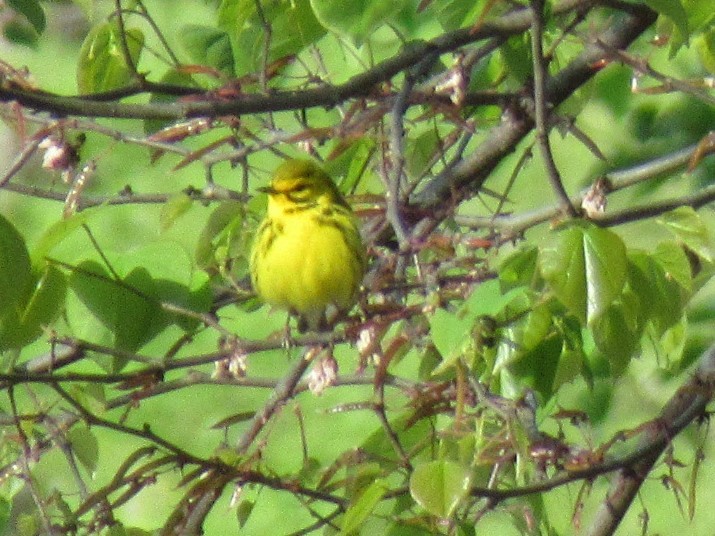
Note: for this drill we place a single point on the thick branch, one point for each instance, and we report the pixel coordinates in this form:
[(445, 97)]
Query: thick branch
[(467, 177), (324, 96), (687, 405)]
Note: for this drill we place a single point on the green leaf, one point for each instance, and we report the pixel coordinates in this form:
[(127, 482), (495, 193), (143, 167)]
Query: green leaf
[(351, 162), (137, 310), (359, 477), (420, 151), (32, 11), (96, 287), (673, 10), (56, 234), (4, 515), (661, 298), (227, 455), (360, 510), (516, 54), (537, 325), (556, 359), (47, 298), (519, 268), (236, 18), (356, 19), (488, 299), (20, 32), (244, 511), (92, 396), (27, 525), (125, 308), (223, 228), (689, 228), (585, 267), (704, 44), (672, 344), (453, 15), (675, 263), (26, 324), (617, 333), (439, 486), (176, 206), (102, 66), (234, 14), (85, 446), (294, 28), (570, 362), (15, 269), (127, 312), (208, 46), (195, 296), (117, 529), (411, 435), (450, 335)]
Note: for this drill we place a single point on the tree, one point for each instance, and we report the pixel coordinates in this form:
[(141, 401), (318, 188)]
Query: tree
[(486, 380)]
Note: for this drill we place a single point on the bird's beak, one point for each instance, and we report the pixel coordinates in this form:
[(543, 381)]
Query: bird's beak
[(267, 190)]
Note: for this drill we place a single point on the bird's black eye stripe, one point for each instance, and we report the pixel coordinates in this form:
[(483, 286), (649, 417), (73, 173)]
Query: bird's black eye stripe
[(300, 188)]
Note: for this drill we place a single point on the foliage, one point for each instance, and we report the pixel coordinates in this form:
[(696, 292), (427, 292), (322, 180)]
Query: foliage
[(482, 380)]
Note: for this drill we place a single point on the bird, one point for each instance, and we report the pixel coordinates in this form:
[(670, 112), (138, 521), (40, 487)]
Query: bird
[(307, 256)]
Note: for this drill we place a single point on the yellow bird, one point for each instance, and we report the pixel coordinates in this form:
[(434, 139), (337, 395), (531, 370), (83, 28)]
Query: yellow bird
[(307, 256)]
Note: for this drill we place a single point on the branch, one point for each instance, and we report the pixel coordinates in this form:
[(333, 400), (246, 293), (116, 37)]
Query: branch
[(325, 96), (540, 108), (516, 224), (467, 177), (687, 405), (202, 496), (669, 83)]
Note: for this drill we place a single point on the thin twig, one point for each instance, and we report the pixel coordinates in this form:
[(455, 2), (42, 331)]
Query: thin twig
[(669, 83), (516, 224), (24, 460), (687, 405), (23, 156), (146, 434), (159, 34), (267, 36), (540, 107), (126, 52), (469, 175)]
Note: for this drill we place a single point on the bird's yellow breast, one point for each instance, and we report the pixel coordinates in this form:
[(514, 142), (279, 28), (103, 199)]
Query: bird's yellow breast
[(306, 259)]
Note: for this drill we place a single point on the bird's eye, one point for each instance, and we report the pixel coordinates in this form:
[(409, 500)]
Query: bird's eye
[(300, 188)]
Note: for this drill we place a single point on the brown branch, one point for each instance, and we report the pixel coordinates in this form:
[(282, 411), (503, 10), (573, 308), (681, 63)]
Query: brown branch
[(651, 210), (325, 96), (202, 497), (687, 405), (467, 177), (541, 110), (24, 463), (124, 44), (146, 434), (669, 83), (516, 224)]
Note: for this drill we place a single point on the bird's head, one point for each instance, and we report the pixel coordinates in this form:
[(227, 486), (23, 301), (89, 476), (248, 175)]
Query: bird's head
[(302, 183)]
